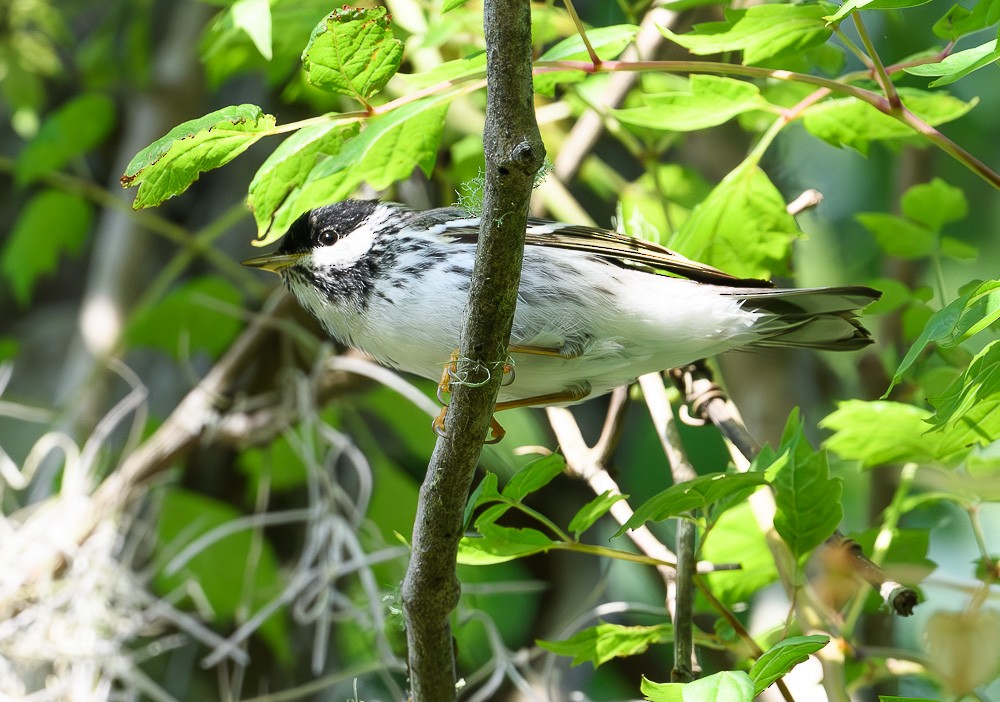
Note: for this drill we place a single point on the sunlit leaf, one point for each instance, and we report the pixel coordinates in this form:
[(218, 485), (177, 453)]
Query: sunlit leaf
[(742, 227), (592, 511), (172, 163), (760, 31), (881, 432), (600, 644), (710, 101), (778, 660), (968, 412), (806, 497), (959, 64), (353, 52), (851, 122), (534, 476), (727, 686), (607, 42), (698, 493)]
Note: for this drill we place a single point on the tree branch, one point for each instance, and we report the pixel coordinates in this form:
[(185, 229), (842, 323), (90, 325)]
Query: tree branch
[(514, 153)]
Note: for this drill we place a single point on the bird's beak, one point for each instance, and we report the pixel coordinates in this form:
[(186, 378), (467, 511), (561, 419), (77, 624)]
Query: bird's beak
[(273, 262)]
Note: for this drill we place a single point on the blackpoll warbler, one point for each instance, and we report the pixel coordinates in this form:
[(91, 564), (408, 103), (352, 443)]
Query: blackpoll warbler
[(595, 309)]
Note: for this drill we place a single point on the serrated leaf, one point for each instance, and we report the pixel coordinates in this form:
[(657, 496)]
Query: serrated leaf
[(851, 122), (353, 52), (806, 497), (587, 515), (52, 224), (898, 236), (778, 660), (959, 64), (727, 686), (699, 493), (599, 644), (534, 476), (185, 319), (736, 538), (283, 188), (960, 319), (968, 412), (393, 144), (855, 5), (760, 31), (498, 544), (709, 101), (742, 227), (607, 42), (172, 163), (69, 132), (934, 204), (881, 432)]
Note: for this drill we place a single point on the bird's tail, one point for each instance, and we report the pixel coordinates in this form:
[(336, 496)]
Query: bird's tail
[(815, 318)]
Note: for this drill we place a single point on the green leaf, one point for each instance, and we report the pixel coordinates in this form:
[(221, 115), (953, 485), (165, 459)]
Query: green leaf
[(760, 31), (607, 42), (353, 52), (447, 71), (806, 497), (736, 538), (851, 122), (967, 412), (958, 250), (709, 101), (449, 5), (958, 65), (881, 432), (959, 21), (854, 5), (898, 236), (742, 227), (599, 644), (221, 568), (392, 144), (778, 660), (934, 204), (727, 686), (172, 163), (253, 17), (534, 476), (53, 223), (592, 511), (498, 544), (284, 187), (9, 348), (187, 319), (277, 464), (484, 493), (71, 131), (699, 493), (957, 321)]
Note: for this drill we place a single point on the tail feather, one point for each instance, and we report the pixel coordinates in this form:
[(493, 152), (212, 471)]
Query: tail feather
[(815, 318)]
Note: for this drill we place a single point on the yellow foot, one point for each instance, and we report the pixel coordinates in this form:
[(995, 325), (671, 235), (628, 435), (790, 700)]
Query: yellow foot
[(497, 432)]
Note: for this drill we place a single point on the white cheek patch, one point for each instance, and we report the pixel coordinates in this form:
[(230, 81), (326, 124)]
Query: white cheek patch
[(346, 252)]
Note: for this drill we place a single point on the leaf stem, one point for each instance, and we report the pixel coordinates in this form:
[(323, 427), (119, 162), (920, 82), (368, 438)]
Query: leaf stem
[(880, 73), (594, 58)]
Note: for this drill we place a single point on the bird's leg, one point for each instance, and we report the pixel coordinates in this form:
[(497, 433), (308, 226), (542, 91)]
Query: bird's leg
[(572, 394)]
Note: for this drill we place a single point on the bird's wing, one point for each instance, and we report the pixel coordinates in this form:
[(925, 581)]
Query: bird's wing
[(619, 249)]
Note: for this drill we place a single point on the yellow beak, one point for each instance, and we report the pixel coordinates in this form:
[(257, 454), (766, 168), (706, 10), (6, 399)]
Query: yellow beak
[(273, 262)]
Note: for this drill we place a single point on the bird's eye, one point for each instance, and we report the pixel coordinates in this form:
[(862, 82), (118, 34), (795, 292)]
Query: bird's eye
[(327, 237)]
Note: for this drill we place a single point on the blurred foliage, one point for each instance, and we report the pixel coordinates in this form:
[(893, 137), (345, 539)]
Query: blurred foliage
[(301, 532)]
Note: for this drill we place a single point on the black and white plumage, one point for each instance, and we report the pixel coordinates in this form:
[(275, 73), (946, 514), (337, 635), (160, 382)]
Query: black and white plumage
[(394, 282)]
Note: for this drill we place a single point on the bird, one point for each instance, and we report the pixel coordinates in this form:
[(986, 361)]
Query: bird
[(595, 309)]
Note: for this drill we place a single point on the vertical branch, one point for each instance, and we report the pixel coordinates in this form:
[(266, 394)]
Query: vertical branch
[(514, 153)]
